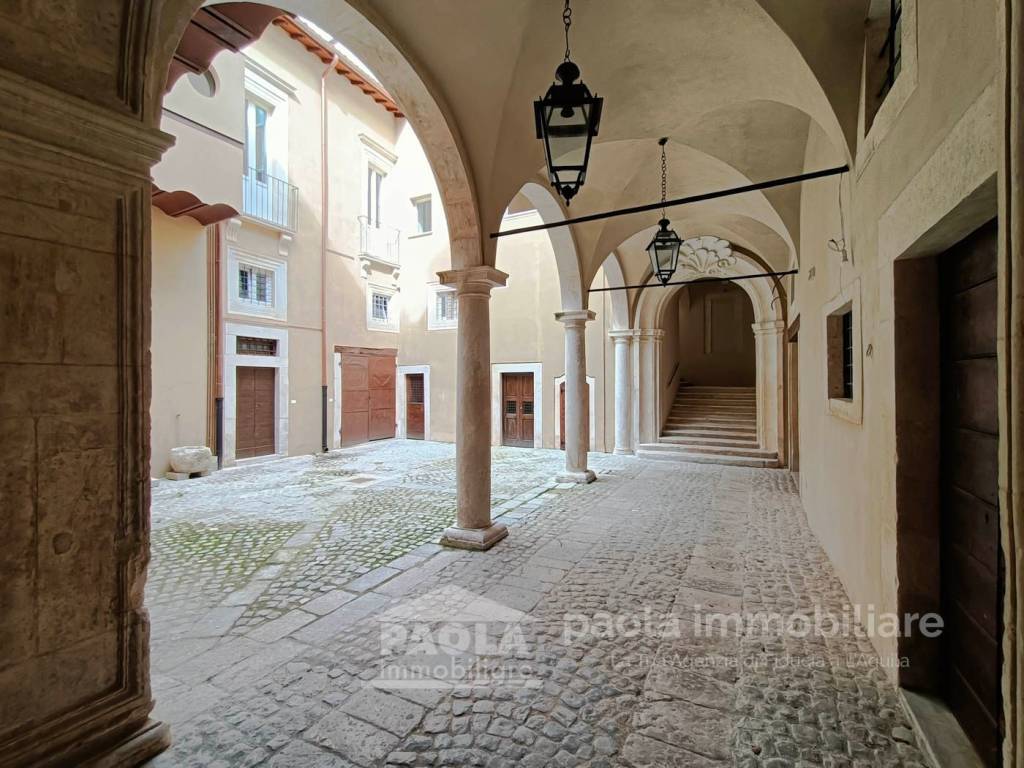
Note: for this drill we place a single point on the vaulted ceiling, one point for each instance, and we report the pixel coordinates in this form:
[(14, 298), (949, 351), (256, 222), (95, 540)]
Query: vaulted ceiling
[(738, 86)]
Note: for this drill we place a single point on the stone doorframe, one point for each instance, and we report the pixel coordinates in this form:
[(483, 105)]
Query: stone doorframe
[(401, 394), (538, 399), (591, 384), (233, 360)]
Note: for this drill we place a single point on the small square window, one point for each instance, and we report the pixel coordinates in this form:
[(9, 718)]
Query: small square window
[(382, 308), (256, 285), (424, 215), (442, 307), (381, 303)]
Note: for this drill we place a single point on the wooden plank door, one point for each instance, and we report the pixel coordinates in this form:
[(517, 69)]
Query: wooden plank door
[(382, 396), (561, 413), (254, 412), (367, 394), (355, 399), (414, 406), (517, 409), (971, 559)]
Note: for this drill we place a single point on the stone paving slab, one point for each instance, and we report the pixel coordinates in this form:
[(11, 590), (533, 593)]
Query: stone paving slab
[(586, 638)]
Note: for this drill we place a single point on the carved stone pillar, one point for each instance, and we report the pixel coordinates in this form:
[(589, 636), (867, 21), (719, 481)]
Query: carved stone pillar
[(577, 432), (74, 402), (474, 529), (623, 341), (768, 351), (650, 389)]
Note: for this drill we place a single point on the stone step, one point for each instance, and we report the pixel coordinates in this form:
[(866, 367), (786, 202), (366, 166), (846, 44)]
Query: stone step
[(675, 425), (715, 421), (718, 450), (746, 441), (713, 410), (712, 437), (661, 452), (717, 390), (734, 402)]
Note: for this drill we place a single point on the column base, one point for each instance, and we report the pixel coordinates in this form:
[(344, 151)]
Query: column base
[(584, 477), (477, 539), (624, 452), (148, 742)]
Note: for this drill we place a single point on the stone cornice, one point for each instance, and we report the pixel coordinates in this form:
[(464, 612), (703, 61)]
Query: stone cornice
[(35, 114), (473, 281), (575, 316)]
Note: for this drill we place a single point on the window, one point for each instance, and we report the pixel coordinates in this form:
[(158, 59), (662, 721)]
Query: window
[(841, 351), (251, 345), (256, 285), (256, 140), (847, 323), (374, 185), (424, 215), (442, 308), (892, 50), (381, 308), (415, 389)]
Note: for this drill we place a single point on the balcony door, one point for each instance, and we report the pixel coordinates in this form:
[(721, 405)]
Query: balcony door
[(266, 192), (374, 195)]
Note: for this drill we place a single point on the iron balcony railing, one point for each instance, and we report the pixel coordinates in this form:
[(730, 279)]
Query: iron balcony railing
[(377, 241), (269, 199)]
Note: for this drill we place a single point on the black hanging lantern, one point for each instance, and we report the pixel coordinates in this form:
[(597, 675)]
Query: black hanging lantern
[(664, 248), (567, 120)]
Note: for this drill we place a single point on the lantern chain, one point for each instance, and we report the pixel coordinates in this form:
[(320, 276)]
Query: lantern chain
[(664, 177), (567, 20)]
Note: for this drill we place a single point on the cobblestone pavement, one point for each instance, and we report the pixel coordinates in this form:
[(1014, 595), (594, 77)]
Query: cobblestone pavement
[(303, 617)]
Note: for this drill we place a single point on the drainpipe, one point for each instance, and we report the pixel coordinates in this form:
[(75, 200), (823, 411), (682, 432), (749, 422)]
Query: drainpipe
[(218, 350), (324, 217)]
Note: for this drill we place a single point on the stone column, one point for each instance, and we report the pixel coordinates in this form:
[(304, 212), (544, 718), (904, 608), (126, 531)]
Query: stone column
[(650, 417), (623, 391), (577, 404), (474, 529), (768, 346)]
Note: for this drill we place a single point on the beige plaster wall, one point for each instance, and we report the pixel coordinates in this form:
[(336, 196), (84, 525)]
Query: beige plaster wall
[(180, 338), (854, 514), (731, 367)]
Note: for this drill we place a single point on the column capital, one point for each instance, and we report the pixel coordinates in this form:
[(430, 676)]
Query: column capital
[(769, 328), (621, 337), (473, 281), (571, 317), (649, 334)]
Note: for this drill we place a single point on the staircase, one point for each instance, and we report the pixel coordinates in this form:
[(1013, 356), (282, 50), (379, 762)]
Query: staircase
[(712, 425)]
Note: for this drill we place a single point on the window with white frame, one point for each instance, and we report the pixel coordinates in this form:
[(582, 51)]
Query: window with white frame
[(424, 215), (374, 190), (442, 307), (381, 308), (255, 285)]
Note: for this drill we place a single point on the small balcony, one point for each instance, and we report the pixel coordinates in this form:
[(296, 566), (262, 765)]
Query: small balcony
[(269, 199), (378, 246)]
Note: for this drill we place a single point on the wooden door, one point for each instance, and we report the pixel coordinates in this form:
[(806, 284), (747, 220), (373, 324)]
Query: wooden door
[(971, 559), (517, 409), (561, 413), (367, 395), (414, 406), (793, 397), (254, 412)]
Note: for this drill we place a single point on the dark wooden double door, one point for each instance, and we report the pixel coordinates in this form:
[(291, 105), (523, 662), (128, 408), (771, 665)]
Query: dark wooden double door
[(367, 394), (517, 409), (972, 569), (254, 411)]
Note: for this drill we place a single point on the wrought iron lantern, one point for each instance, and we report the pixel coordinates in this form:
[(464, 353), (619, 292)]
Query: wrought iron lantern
[(567, 120), (664, 248)]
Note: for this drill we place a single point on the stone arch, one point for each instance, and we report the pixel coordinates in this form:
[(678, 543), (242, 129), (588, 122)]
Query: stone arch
[(364, 32), (563, 243), (619, 300), (768, 298)]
